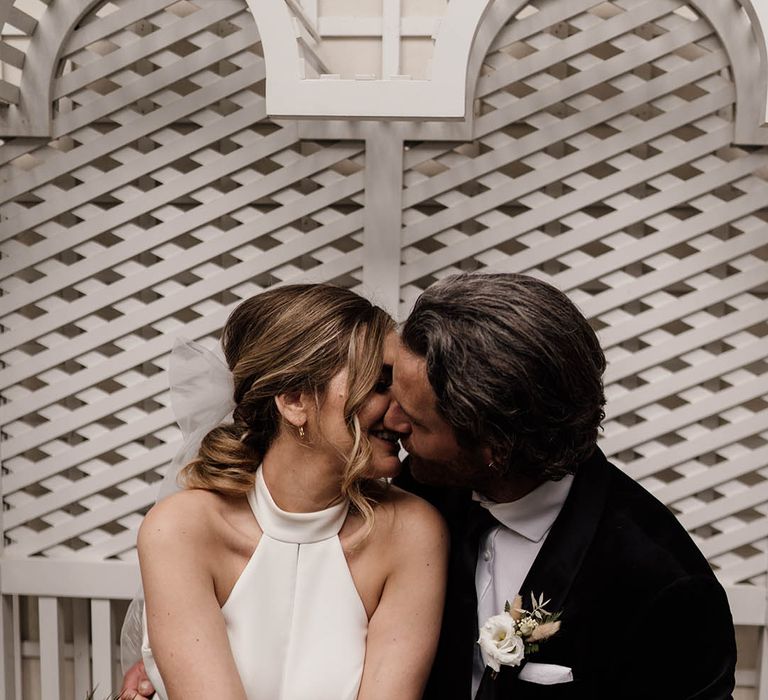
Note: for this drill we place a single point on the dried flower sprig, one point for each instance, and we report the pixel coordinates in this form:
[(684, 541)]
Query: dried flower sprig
[(507, 638)]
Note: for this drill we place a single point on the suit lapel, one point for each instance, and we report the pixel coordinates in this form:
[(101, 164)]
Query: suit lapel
[(552, 572), (567, 543), (560, 558)]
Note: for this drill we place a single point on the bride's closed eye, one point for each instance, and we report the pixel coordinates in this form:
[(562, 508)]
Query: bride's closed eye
[(385, 380)]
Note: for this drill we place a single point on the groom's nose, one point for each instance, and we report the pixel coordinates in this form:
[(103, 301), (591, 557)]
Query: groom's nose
[(395, 420)]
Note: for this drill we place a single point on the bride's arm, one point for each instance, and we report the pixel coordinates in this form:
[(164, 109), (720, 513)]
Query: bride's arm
[(177, 549), (404, 629)]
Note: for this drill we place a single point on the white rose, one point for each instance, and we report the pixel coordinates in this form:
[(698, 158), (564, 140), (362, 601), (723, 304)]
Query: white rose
[(499, 643)]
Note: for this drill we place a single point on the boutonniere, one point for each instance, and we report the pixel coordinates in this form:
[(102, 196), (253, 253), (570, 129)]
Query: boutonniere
[(508, 637)]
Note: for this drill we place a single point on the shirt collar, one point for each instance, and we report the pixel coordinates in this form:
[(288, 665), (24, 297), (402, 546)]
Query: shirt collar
[(532, 515)]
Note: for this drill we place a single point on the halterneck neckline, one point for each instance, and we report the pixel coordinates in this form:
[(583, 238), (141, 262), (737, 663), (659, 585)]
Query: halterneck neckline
[(298, 528)]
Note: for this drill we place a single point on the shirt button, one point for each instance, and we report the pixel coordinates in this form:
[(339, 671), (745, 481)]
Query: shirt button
[(487, 555)]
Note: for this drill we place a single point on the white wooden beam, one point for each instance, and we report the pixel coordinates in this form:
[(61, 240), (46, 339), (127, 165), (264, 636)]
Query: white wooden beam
[(304, 18), (11, 55), (69, 579), (9, 92), (333, 27), (128, 14), (748, 604), (690, 413), (687, 378), (21, 20), (574, 201), (442, 97), (611, 68), (119, 137), (158, 80), (548, 14), (85, 522), (574, 45), (100, 481), (146, 46), (682, 488), (733, 539), (110, 440), (691, 303), (383, 206), (714, 440), (571, 125), (743, 36), (230, 202), (721, 508)]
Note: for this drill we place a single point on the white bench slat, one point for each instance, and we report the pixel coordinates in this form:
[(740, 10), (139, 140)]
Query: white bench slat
[(51, 647), (101, 641)]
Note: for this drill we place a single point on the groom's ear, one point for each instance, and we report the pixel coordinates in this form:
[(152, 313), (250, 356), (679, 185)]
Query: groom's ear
[(293, 407)]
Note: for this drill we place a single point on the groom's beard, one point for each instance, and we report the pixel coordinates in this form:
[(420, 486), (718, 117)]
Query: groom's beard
[(466, 470)]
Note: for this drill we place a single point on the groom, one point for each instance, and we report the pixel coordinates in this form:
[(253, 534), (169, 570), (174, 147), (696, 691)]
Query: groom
[(499, 397), (498, 385)]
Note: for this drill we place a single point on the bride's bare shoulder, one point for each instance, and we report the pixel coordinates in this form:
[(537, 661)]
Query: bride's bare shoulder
[(190, 517), (404, 516)]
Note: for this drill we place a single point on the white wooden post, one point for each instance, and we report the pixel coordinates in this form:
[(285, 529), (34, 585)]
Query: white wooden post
[(383, 204), (390, 38)]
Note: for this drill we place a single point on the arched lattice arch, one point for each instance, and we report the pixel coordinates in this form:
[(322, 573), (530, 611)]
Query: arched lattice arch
[(464, 33)]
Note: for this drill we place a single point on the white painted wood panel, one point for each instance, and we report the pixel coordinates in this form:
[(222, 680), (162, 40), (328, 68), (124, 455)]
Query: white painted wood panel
[(601, 154)]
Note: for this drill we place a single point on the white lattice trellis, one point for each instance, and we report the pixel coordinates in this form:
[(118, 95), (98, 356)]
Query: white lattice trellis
[(600, 156), (621, 186)]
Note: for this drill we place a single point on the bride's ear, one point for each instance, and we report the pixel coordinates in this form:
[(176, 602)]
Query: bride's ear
[(293, 407)]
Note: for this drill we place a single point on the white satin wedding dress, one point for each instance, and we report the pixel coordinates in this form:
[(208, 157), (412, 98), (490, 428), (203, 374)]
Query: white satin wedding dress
[(296, 625)]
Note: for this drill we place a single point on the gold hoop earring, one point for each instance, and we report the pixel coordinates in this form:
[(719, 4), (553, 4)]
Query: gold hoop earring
[(301, 432)]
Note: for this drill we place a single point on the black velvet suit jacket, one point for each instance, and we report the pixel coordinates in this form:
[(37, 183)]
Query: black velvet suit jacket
[(643, 617)]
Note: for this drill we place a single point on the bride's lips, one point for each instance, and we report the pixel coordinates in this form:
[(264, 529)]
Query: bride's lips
[(388, 436)]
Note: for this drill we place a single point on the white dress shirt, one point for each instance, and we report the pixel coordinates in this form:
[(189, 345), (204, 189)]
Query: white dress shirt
[(507, 551)]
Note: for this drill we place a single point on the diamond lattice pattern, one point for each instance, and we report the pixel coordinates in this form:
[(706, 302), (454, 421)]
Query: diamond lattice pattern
[(142, 218), (603, 163)]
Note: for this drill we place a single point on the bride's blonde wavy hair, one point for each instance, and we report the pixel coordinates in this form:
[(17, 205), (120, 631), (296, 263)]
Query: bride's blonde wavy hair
[(294, 339)]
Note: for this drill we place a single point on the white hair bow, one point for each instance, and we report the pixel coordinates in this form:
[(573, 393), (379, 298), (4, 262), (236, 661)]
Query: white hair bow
[(202, 397)]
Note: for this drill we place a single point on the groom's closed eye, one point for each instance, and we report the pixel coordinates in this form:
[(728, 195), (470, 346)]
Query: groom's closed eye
[(413, 421)]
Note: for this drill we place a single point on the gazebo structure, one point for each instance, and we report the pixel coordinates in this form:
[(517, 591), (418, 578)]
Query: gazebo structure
[(164, 159)]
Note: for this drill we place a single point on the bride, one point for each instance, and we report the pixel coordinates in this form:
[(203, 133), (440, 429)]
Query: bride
[(288, 568)]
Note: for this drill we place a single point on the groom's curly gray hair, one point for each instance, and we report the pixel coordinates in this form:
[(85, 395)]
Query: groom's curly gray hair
[(515, 367)]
